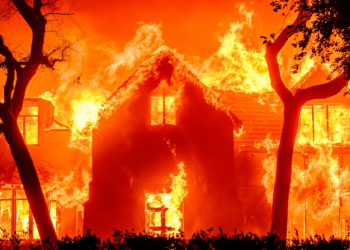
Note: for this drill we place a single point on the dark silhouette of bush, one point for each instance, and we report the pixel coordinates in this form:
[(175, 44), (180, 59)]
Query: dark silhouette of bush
[(202, 240)]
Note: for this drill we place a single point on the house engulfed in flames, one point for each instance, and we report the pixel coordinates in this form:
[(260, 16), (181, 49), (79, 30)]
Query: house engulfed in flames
[(169, 138), (319, 199), (59, 171), (165, 158)]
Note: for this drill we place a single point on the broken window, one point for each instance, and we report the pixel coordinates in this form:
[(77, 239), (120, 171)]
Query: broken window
[(28, 123), (15, 214), (162, 110), (324, 123)]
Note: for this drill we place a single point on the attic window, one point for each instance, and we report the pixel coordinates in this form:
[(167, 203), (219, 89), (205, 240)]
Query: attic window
[(321, 123), (28, 123), (162, 110)]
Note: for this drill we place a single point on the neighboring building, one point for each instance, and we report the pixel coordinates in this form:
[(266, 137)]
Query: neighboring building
[(53, 160), (167, 116), (324, 129)]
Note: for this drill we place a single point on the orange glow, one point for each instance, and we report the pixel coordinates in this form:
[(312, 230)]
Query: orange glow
[(170, 202), (70, 192), (320, 183), (28, 123), (219, 42), (19, 203)]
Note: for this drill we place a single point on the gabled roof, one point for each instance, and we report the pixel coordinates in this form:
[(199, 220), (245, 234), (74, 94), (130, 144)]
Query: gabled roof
[(262, 117), (181, 73)]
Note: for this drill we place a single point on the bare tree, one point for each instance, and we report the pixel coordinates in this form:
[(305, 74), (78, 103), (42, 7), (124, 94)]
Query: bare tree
[(19, 74), (292, 108)]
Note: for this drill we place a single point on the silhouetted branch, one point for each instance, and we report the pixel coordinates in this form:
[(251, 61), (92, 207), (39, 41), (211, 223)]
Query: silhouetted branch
[(322, 91), (272, 51), (10, 66)]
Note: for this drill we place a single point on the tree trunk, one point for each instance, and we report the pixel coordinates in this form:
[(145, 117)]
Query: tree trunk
[(29, 179), (284, 169)]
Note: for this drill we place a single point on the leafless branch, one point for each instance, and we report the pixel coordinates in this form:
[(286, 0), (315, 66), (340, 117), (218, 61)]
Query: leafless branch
[(59, 14), (10, 64)]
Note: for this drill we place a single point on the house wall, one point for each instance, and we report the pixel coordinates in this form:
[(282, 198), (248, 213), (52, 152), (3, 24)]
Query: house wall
[(129, 156), (52, 156), (262, 119)]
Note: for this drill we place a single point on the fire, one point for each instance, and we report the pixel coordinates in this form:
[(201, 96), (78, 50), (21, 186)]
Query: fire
[(236, 65), (15, 209), (85, 117), (320, 182), (70, 192), (167, 206)]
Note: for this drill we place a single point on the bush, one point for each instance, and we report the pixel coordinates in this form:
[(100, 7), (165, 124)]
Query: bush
[(202, 240)]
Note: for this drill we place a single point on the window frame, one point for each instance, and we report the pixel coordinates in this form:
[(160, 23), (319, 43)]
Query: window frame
[(23, 117), (326, 107), (14, 200), (164, 119)]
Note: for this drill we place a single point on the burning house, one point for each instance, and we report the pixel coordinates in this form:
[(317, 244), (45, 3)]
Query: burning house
[(57, 166), (163, 121), (319, 196)]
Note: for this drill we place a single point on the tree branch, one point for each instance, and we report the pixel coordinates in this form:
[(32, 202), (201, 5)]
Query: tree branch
[(58, 14), (274, 72), (321, 91), (272, 50), (10, 63), (26, 12), (37, 24)]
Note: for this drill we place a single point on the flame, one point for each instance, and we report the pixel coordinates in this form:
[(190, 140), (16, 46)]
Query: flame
[(236, 66), (85, 117), (70, 191), (79, 106), (148, 38), (319, 181), (172, 201), (21, 217)]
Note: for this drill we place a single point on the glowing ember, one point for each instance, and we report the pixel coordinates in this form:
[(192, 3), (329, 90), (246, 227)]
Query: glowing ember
[(163, 212)]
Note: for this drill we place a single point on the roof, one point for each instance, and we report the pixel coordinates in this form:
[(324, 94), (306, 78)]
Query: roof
[(262, 116), (262, 113), (152, 68)]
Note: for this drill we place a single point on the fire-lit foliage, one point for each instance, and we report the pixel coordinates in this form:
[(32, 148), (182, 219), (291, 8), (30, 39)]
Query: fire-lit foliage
[(326, 34)]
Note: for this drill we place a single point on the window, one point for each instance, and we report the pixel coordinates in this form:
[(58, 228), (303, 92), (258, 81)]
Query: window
[(162, 110), (14, 202), (159, 218), (28, 123), (324, 123)]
